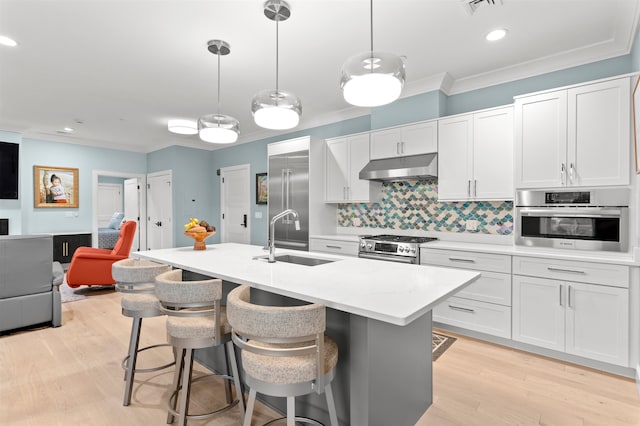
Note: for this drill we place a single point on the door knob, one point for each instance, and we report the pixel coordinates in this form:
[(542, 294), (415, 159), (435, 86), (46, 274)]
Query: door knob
[(244, 223), (158, 223)]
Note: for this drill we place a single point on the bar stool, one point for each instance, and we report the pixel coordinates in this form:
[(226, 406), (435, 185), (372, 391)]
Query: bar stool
[(195, 320), (135, 280), (284, 352)]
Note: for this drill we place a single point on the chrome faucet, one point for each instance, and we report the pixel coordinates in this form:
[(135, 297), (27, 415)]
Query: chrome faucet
[(272, 225)]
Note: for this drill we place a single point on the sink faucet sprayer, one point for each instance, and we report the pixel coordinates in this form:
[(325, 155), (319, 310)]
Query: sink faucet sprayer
[(272, 224)]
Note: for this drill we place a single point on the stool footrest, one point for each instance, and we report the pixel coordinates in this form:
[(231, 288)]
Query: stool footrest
[(151, 369), (297, 419)]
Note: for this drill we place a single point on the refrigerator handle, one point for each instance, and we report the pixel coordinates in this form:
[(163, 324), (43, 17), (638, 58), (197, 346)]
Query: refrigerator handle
[(288, 191), (282, 172)]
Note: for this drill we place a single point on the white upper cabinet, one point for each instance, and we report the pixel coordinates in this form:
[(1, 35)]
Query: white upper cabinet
[(346, 156), (420, 138), (574, 137), (475, 156)]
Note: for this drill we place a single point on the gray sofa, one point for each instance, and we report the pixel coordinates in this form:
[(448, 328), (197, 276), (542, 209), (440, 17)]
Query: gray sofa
[(29, 282)]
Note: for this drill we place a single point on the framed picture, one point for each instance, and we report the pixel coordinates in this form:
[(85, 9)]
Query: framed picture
[(262, 188), (55, 187), (636, 124)]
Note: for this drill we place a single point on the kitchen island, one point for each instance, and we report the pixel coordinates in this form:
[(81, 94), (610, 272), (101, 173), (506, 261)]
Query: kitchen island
[(379, 314)]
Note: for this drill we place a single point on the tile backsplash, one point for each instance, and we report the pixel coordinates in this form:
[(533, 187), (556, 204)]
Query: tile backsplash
[(414, 205)]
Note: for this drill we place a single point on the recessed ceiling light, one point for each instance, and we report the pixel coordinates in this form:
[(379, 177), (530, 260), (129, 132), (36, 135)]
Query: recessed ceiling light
[(7, 41), (183, 127), (496, 35), (66, 130)]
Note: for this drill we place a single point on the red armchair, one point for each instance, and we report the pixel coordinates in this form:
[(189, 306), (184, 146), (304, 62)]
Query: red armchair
[(92, 266)]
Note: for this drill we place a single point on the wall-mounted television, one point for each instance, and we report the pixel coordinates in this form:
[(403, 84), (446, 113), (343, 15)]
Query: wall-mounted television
[(9, 170)]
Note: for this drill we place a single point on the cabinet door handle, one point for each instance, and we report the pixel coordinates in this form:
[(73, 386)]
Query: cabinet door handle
[(402, 147), (333, 247), (459, 259), (562, 174), (469, 188), (397, 147), (570, 271), (560, 288), (475, 188), (571, 173), (569, 295), (459, 308)]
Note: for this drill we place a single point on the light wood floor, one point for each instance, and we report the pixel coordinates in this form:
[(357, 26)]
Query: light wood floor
[(71, 376)]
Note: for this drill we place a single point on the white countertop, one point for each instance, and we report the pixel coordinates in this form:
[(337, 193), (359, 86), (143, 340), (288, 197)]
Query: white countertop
[(392, 292), (578, 255)]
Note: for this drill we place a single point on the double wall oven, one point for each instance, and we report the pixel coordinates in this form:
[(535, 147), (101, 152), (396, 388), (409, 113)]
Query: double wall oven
[(394, 248), (596, 219)]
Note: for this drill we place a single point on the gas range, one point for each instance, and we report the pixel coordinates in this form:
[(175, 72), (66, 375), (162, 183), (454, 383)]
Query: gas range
[(396, 248)]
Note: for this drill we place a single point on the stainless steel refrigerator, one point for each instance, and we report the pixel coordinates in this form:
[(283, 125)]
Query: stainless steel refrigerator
[(289, 189)]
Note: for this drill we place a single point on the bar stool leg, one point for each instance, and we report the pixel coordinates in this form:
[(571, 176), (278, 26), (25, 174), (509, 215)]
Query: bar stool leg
[(227, 383), (236, 378), (333, 416), (291, 411), (131, 361), (177, 377), (249, 414), (186, 387)]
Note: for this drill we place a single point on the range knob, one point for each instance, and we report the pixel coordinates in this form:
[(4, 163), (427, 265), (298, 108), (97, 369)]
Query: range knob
[(413, 250), (362, 244), (369, 246), (402, 249)]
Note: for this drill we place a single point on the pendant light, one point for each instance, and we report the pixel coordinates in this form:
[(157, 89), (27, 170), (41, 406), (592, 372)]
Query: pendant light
[(276, 109), (372, 78), (218, 128)]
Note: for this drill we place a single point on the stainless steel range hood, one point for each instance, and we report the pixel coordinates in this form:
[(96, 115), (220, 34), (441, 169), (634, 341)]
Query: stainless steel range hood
[(423, 167)]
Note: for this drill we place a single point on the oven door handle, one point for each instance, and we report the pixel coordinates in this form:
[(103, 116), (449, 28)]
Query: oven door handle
[(582, 212), (388, 258)]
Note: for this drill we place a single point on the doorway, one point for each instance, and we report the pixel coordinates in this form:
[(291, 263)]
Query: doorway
[(235, 204), (142, 211), (160, 210)]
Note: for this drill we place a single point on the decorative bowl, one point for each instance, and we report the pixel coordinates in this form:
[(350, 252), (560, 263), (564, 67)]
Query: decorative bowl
[(199, 238)]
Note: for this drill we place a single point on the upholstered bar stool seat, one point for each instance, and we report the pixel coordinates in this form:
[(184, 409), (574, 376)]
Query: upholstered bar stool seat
[(135, 281), (284, 352), (196, 320)]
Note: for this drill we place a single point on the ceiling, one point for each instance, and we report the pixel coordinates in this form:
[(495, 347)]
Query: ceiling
[(117, 70)]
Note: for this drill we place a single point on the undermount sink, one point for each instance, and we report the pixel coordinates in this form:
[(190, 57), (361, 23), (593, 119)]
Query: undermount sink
[(298, 260)]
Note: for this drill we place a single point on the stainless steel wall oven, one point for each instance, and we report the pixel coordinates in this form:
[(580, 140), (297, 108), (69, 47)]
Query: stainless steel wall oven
[(596, 219)]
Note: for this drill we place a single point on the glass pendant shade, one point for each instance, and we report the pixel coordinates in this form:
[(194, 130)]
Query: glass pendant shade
[(372, 79), (218, 128), (276, 110)]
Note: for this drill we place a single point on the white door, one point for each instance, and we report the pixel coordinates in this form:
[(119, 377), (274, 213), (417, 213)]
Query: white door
[(132, 208), (336, 170), (598, 133), (159, 210), (235, 190), (420, 138), (541, 140), (109, 202), (538, 312), (598, 322), (455, 158), (493, 154), (386, 143)]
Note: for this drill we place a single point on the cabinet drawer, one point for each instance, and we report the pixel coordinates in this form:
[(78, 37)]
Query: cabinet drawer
[(568, 270), (491, 287), (347, 248), (473, 315), (467, 260)]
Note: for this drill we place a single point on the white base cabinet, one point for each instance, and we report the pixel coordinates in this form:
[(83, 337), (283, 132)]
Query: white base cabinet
[(485, 304), (576, 317), (334, 246)]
